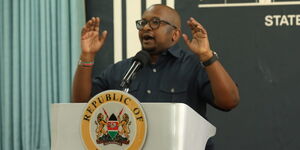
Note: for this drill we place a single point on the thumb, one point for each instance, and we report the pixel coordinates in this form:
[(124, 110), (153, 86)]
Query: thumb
[(186, 39), (103, 35)]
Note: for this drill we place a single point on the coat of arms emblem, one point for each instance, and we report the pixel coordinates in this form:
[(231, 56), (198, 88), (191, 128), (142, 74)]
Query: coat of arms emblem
[(113, 120)]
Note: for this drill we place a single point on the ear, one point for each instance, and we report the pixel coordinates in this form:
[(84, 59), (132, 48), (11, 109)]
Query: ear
[(176, 35)]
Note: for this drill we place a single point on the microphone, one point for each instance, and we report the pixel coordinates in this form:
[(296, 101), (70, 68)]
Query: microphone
[(139, 60)]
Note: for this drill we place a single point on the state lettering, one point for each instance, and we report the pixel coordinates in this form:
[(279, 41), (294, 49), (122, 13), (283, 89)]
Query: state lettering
[(282, 20)]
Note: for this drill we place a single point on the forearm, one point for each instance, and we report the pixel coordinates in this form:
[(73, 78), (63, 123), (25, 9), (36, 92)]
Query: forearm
[(91, 42), (82, 84), (225, 91)]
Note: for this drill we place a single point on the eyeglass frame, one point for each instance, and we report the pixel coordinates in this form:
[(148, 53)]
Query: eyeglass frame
[(148, 22)]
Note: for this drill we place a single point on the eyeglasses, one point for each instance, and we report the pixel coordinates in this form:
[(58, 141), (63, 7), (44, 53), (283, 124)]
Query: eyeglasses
[(153, 23)]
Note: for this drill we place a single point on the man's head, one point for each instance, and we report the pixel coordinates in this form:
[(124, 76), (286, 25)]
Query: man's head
[(159, 28)]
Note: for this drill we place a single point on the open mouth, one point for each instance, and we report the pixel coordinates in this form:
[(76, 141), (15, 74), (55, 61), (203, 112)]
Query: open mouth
[(148, 38)]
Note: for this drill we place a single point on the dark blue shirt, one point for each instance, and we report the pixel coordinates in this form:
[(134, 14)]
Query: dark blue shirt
[(178, 77)]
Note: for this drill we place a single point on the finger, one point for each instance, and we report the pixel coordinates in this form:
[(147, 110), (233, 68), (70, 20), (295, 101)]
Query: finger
[(186, 40), (194, 27), (103, 35), (195, 30), (84, 35), (89, 25), (190, 24), (199, 30), (83, 30), (97, 24), (195, 22), (197, 26), (96, 28), (93, 25), (97, 21)]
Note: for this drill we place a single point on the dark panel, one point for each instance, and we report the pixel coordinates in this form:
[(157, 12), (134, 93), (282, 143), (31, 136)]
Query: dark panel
[(104, 10), (264, 62)]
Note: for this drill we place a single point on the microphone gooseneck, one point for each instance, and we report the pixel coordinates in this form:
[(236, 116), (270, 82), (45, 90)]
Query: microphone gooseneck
[(139, 60)]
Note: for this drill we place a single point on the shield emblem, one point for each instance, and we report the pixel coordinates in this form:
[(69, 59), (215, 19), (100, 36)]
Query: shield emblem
[(112, 126)]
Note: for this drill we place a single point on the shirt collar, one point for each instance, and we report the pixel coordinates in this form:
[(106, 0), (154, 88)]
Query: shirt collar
[(174, 50)]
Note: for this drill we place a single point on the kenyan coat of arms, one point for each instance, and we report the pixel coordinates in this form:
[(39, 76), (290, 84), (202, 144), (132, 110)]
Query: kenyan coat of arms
[(113, 120)]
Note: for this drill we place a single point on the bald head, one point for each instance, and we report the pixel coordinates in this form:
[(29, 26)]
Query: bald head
[(171, 15)]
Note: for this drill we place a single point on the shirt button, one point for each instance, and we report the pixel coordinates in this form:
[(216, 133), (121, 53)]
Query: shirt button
[(149, 91), (154, 70), (172, 90)]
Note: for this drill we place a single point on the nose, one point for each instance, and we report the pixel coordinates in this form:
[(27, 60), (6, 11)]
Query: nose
[(147, 27)]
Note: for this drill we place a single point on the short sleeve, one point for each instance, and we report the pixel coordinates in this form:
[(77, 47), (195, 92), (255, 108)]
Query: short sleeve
[(101, 82)]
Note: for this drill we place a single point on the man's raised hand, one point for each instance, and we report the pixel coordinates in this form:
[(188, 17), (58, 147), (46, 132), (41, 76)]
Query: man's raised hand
[(199, 44), (92, 39)]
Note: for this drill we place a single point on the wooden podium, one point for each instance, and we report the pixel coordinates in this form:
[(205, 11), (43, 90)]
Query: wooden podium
[(171, 126)]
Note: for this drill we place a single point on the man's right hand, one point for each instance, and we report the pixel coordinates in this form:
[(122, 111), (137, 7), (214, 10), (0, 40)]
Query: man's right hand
[(91, 39)]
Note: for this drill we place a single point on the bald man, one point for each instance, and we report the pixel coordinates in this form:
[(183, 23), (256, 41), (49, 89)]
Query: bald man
[(194, 77)]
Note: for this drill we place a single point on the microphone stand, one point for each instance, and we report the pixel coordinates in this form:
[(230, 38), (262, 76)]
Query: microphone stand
[(126, 82), (140, 59)]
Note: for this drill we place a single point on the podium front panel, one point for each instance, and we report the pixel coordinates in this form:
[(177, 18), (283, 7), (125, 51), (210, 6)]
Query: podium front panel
[(171, 126)]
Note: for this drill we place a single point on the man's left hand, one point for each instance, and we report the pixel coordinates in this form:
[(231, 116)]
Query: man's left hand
[(199, 44)]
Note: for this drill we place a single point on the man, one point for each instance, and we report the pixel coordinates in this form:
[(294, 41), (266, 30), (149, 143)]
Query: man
[(193, 77)]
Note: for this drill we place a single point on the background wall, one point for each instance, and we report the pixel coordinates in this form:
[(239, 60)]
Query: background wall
[(258, 43)]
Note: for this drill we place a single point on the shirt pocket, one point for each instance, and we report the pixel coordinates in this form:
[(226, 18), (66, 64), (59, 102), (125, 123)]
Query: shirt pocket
[(175, 91)]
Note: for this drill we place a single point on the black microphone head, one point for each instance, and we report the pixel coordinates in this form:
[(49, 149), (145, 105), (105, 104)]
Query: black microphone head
[(143, 57)]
